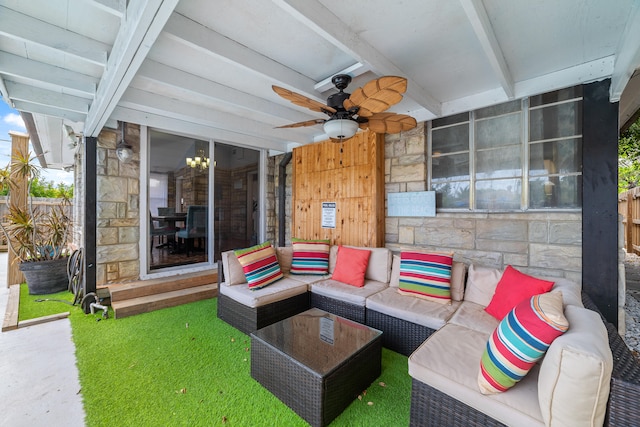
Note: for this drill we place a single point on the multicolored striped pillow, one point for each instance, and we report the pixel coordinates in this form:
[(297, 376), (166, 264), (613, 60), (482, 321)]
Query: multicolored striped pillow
[(426, 276), (310, 256), (260, 265), (520, 340)]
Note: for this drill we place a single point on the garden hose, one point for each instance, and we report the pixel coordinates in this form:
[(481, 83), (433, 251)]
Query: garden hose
[(54, 300)]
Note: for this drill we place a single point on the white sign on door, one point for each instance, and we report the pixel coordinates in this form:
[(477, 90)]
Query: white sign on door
[(328, 214)]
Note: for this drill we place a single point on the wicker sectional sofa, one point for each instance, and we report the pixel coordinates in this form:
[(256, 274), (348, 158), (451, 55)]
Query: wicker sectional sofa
[(444, 343)]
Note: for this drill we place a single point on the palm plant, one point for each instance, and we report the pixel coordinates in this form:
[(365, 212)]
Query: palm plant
[(33, 233)]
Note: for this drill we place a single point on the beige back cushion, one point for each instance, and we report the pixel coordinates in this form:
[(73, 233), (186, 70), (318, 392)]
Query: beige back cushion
[(575, 374), (285, 257), (379, 267), (333, 256), (395, 272), (458, 271), (481, 284), (233, 272)]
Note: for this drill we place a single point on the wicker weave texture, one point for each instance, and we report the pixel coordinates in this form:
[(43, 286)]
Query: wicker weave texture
[(433, 408), (317, 399), (248, 319), (343, 309), (623, 408), (398, 335)]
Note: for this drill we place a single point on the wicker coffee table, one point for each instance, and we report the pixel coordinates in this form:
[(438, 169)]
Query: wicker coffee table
[(316, 362)]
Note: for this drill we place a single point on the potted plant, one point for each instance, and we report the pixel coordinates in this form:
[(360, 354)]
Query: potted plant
[(37, 236)]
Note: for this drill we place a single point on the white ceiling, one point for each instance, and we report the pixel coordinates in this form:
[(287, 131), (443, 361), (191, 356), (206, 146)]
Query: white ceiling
[(204, 69)]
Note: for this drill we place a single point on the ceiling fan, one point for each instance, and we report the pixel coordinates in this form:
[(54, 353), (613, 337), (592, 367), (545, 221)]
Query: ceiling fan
[(364, 108)]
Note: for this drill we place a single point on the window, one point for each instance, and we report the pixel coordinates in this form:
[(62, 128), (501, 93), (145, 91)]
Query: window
[(523, 154), (158, 191)]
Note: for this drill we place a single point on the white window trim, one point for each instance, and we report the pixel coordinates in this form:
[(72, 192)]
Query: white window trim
[(525, 146)]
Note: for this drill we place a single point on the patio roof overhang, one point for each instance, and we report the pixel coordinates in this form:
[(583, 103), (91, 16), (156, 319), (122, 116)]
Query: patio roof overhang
[(205, 69)]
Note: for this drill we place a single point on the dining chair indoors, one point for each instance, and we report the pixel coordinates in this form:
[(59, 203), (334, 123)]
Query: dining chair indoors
[(159, 231), (195, 227)]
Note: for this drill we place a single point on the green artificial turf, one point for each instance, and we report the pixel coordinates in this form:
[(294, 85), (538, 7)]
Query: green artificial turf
[(182, 366), (34, 306)]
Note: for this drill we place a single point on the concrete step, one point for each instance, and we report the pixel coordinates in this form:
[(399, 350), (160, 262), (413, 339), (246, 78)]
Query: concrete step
[(126, 291), (147, 303)]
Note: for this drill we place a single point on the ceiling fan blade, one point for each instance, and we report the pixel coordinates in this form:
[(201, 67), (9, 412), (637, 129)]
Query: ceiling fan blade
[(302, 124), (378, 95), (303, 101), (391, 123)]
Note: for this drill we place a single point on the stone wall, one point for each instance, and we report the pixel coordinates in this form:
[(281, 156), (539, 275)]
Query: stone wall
[(539, 243), (273, 199), (118, 209)]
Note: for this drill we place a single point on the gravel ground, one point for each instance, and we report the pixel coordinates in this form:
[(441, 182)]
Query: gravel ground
[(632, 323), (632, 306)]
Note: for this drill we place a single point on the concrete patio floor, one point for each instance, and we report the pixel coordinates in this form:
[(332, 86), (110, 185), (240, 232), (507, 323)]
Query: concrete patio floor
[(39, 383)]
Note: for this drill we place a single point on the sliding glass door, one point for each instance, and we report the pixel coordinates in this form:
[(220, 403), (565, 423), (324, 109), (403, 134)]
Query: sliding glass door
[(236, 197), (199, 205), (178, 201)]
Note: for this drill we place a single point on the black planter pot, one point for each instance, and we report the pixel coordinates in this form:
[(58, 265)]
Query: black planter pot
[(46, 277)]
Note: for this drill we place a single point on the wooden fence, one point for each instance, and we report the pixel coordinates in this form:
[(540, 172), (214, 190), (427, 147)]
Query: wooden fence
[(629, 208)]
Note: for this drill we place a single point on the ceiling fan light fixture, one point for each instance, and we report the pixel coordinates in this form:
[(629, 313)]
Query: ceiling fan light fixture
[(340, 128)]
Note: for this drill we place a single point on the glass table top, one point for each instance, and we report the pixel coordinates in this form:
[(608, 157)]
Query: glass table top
[(319, 340)]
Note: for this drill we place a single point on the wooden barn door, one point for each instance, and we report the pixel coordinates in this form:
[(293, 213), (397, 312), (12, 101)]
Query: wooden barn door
[(351, 174)]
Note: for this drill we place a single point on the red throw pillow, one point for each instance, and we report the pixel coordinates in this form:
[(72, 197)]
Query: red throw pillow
[(351, 264), (513, 287)]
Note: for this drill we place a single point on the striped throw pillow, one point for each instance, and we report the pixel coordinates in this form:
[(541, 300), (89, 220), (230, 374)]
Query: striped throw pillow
[(310, 256), (260, 265), (426, 275), (520, 340)]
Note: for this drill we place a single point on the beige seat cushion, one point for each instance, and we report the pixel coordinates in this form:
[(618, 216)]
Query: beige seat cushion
[(449, 361), (347, 293), (415, 310), (278, 291), (575, 374), (308, 278), (233, 272), (472, 316)]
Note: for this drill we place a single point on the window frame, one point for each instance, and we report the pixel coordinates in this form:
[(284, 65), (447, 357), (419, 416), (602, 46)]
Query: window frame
[(525, 147)]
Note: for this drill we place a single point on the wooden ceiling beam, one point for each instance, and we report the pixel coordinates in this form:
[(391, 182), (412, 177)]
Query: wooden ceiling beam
[(629, 58), (144, 20), (22, 27), (212, 43), (200, 131), (114, 7), (190, 86), (49, 111), (327, 25), (481, 25), (17, 66), (189, 112), (55, 99)]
